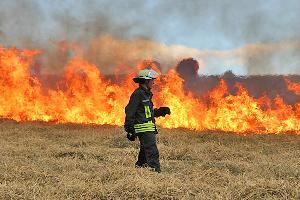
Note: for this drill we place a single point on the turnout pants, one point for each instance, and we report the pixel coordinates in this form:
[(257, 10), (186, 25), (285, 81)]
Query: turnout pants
[(148, 155)]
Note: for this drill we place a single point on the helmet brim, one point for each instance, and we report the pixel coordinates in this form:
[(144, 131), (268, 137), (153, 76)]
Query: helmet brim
[(137, 79)]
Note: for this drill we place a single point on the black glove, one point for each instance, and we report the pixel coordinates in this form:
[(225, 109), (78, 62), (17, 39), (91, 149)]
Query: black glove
[(162, 111), (131, 136), (165, 110), (130, 132)]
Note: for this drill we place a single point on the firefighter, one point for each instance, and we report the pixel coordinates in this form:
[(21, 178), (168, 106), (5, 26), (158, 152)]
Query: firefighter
[(140, 122)]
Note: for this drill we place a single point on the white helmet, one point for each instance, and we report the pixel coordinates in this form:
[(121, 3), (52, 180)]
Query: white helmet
[(146, 74)]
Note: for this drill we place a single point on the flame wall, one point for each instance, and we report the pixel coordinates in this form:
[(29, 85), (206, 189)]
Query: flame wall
[(84, 95)]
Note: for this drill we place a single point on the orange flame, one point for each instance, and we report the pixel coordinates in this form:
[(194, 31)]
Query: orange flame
[(85, 96), (295, 87)]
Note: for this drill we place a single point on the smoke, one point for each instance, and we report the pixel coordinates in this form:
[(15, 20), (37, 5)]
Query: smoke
[(109, 52), (247, 37), (188, 69), (19, 23), (254, 59), (85, 28), (280, 58)]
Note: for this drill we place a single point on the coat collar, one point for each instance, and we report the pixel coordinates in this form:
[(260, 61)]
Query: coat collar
[(148, 91)]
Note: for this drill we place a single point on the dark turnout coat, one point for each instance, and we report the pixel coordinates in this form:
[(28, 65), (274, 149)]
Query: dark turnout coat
[(140, 116), (140, 112)]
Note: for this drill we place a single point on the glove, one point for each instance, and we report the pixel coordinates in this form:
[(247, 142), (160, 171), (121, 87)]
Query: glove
[(131, 136), (163, 111), (130, 132)]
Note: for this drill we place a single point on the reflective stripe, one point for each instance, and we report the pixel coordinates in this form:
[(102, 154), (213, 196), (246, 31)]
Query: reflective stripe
[(145, 130), (145, 127), (147, 111), (139, 128), (147, 124), (152, 128)]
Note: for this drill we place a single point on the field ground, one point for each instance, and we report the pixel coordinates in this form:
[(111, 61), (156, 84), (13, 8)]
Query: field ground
[(41, 161)]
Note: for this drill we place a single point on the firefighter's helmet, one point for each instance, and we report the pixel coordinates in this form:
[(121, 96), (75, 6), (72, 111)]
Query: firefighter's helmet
[(145, 74)]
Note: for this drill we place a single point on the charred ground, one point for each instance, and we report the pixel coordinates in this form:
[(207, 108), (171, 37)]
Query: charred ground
[(45, 161)]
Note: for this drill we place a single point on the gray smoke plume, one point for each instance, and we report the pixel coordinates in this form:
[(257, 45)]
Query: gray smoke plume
[(247, 37)]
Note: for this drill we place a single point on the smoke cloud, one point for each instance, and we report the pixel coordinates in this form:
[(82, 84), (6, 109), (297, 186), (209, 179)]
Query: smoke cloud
[(247, 37)]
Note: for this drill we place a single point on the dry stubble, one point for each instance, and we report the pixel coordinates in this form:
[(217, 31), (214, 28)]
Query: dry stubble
[(40, 161)]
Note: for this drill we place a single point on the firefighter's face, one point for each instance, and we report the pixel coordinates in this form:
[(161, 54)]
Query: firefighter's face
[(150, 83)]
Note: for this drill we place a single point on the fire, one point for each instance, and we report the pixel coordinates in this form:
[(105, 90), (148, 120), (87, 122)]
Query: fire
[(84, 95), (295, 87), (240, 113)]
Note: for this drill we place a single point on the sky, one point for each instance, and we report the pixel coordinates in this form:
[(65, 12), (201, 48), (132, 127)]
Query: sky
[(247, 37)]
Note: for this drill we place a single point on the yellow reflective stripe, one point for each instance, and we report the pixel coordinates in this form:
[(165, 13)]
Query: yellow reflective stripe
[(147, 124), (144, 130), (138, 132), (147, 111), (152, 128), (143, 126), (137, 128)]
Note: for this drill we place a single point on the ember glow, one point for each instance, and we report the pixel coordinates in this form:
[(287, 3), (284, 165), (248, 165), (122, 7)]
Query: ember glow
[(85, 96)]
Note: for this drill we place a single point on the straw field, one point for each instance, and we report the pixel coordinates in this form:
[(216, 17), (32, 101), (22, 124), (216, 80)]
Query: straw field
[(42, 161)]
